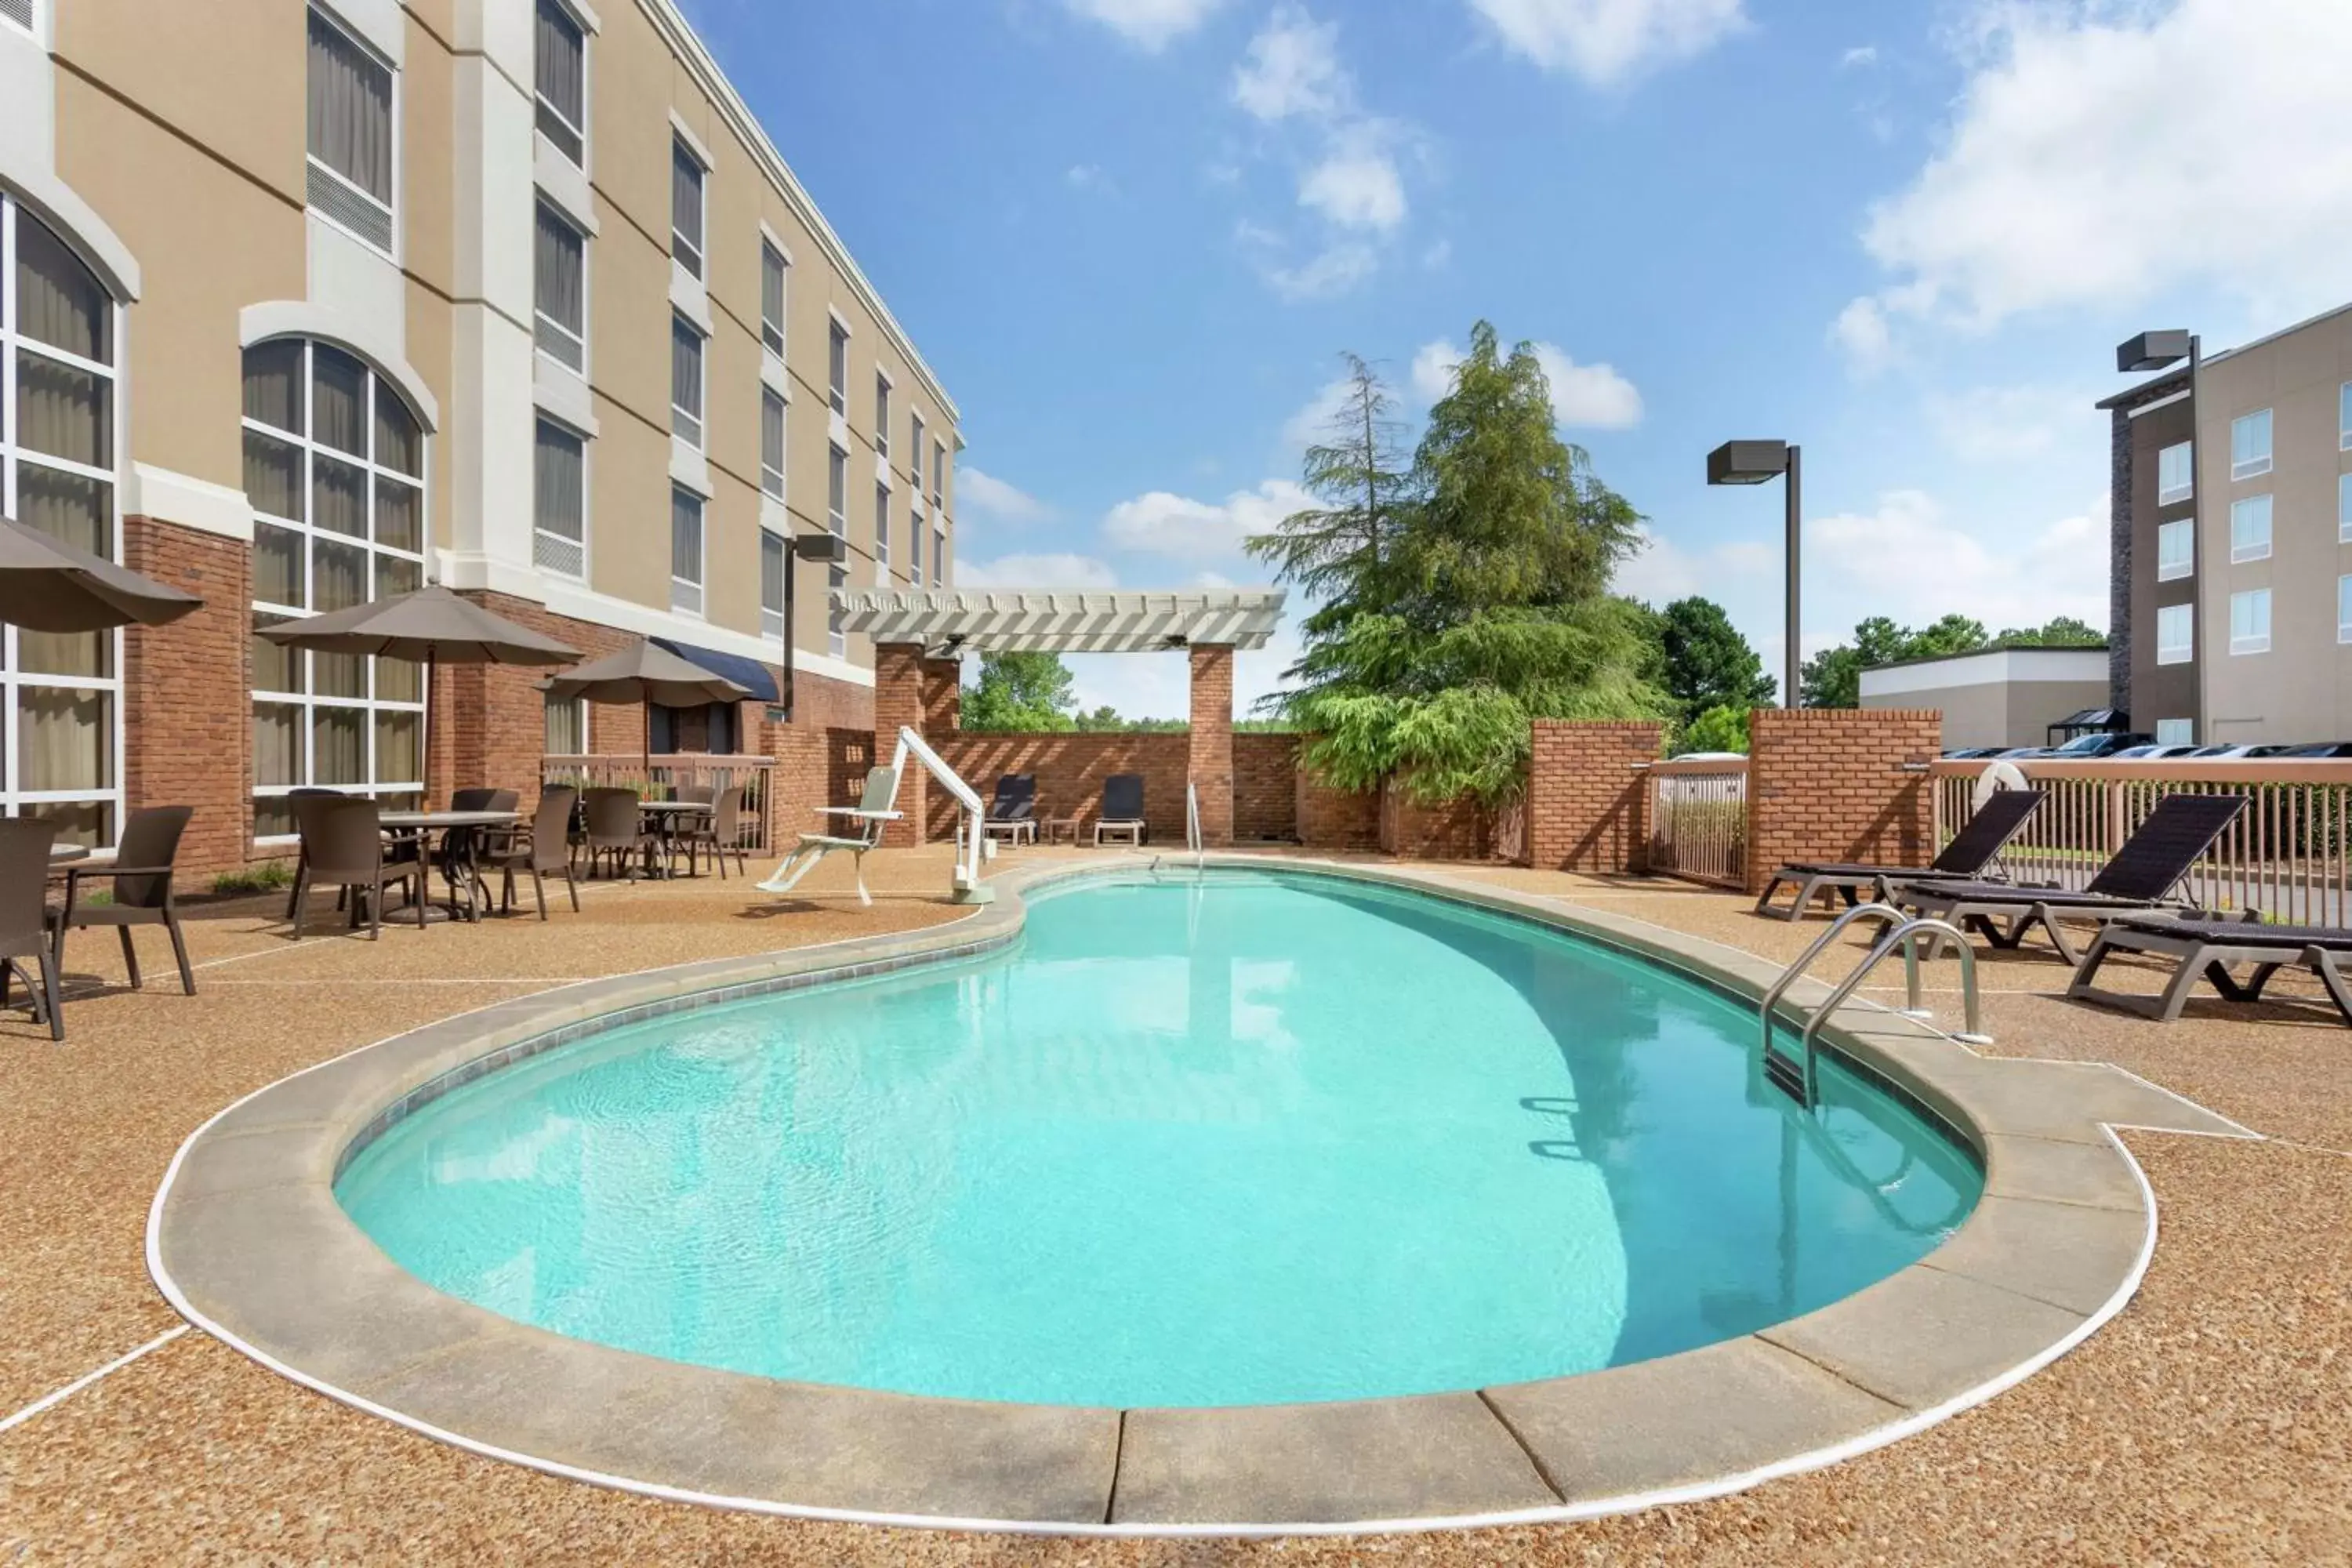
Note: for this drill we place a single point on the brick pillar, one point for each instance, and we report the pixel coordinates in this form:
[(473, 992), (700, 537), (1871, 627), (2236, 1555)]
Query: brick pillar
[(186, 707), (898, 701), (1209, 761), (1832, 784), (1585, 800)]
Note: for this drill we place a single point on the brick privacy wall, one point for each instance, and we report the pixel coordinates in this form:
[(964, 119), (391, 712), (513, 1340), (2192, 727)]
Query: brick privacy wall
[(1827, 785), (848, 754), (1265, 786), (185, 709), (899, 703), (801, 782), (1457, 830), (1209, 744), (942, 696), (1329, 817), (1585, 802), (1070, 770)]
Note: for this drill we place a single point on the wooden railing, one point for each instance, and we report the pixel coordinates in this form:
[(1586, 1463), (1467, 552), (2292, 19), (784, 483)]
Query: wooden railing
[(1698, 820), (2288, 856), (666, 772)]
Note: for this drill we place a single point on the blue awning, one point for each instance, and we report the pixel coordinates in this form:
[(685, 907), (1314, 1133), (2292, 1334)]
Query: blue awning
[(748, 673)]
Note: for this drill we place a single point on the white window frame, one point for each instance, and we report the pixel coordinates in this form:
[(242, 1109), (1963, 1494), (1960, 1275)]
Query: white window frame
[(542, 322), (881, 414), (2252, 468), (15, 800), (309, 701), (578, 707), (696, 430), (587, 492), (939, 472), (773, 620), (681, 149), (31, 25), (2344, 417), (2255, 600), (837, 640), (2249, 516), (836, 490), (939, 553), (836, 367), (540, 105), (775, 329), (312, 160), (2170, 567), (2182, 650), (882, 534), (772, 477), (2186, 487), (685, 594), (2344, 508), (2344, 609), (2176, 732)]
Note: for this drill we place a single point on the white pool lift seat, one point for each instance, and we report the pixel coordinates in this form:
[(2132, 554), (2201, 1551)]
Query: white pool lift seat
[(875, 811)]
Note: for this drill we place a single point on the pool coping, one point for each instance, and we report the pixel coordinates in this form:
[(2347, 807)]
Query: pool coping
[(245, 1240)]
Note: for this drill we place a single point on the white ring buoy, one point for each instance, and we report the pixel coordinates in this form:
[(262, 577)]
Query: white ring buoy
[(1998, 774)]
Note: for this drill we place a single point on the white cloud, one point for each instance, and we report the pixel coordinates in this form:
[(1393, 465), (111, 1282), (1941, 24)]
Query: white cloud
[(1660, 571), (1331, 271), (1312, 422), (2102, 154), (1999, 423), (985, 493), (1159, 522), (1292, 67), (1043, 571), (1604, 42), (1440, 252), (1586, 396), (1859, 58), (1148, 24), (1907, 560), (1087, 177), (1861, 329), (1356, 187), (1158, 685)]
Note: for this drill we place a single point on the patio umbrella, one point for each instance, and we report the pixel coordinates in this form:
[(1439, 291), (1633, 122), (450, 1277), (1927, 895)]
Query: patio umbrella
[(48, 585), (646, 674), (433, 625)]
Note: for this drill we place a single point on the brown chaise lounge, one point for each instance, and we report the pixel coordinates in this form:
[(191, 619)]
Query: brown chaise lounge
[(2206, 949), (1975, 847), (2140, 880)]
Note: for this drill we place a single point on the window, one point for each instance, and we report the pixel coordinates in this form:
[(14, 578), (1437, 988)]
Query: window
[(882, 535), (2176, 633), (939, 473), (2249, 621), (2344, 609), (939, 555), (2344, 417), (881, 414), (351, 134), (561, 75), (837, 369), (334, 466), (686, 208), (567, 726), (915, 550), (685, 551), (560, 290), (560, 501), (836, 491), (772, 299), (2250, 445), (772, 442), (2176, 549), (2250, 529), (914, 451), (685, 381), (20, 12), (2176, 732), (59, 690), (836, 640), (772, 568), (2343, 508), (2176, 473)]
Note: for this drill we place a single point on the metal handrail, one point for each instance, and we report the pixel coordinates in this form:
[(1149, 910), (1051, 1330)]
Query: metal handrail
[(1193, 826), (1906, 933), (1873, 911)]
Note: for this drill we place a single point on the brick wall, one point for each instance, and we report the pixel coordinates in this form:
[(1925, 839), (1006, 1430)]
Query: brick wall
[(899, 703), (1828, 785), (1070, 770), (1457, 830), (1329, 817), (1265, 786), (185, 708), (1209, 745), (1585, 801)]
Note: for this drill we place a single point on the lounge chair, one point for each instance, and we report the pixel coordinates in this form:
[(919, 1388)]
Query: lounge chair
[(2140, 880), (1013, 814), (876, 810), (2206, 949), (141, 876), (1975, 847), (1122, 809)]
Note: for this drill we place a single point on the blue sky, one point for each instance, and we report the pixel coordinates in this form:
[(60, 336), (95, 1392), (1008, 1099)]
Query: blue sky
[(1132, 237)]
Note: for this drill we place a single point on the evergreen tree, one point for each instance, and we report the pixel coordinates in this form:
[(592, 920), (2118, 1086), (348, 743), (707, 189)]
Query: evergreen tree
[(1359, 473), (1708, 664), (1020, 692)]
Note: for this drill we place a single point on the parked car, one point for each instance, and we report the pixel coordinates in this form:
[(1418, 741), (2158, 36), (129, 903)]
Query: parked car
[(2250, 751), (2320, 749), (2104, 744), (2157, 753), (1970, 754)]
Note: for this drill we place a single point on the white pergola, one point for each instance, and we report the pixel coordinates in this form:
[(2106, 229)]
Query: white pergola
[(1044, 620)]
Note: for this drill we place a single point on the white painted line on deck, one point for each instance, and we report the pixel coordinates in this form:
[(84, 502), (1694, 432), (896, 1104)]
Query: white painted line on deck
[(85, 1380)]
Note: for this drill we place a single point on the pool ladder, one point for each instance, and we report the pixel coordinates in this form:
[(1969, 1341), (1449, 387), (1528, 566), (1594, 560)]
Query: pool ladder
[(1795, 1076), (1192, 825)]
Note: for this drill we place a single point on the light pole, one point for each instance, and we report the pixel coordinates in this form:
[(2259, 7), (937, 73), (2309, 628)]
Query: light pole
[(1753, 463)]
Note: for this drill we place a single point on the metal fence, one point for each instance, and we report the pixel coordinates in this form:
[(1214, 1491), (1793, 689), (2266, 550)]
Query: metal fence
[(1698, 820), (2288, 856), (661, 776)]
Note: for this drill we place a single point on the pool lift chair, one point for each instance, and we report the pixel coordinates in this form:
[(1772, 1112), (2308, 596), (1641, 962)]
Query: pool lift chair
[(876, 808)]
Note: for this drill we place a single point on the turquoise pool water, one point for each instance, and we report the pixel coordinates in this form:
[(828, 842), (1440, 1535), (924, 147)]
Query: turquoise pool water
[(1258, 1139)]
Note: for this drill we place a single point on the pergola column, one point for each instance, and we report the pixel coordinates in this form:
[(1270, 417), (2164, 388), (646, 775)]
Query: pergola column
[(1209, 763), (898, 693)]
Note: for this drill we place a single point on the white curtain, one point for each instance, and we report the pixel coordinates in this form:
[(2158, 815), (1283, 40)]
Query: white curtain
[(559, 74), (337, 400), (685, 537), (337, 746), (686, 204), (558, 272), (277, 743), (59, 301), (685, 368), (557, 501), (396, 753), (398, 508), (351, 109), (273, 386), (64, 739)]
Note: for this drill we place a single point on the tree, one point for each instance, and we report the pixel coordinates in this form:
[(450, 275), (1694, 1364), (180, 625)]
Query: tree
[(1707, 663), (1359, 473), (1833, 679), (1719, 729), (2064, 631), (1020, 691)]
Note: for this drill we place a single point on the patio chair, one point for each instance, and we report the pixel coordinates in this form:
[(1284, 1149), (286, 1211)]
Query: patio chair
[(2140, 879), (306, 791), (342, 847), (876, 810), (1975, 847), (24, 843), (617, 828), (1013, 813), (685, 832), (1122, 810), (541, 846), (143, 890), (2206, 949), (721, 832)]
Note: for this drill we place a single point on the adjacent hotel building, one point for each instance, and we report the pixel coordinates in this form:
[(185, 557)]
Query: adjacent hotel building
[(2232, 543), (309, 304)]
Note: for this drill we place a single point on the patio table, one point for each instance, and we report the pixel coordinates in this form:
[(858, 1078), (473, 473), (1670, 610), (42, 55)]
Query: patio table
[(666, 814), (423, 822)]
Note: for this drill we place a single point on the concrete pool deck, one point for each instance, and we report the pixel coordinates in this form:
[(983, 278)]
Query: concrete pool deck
[(191, 1444)]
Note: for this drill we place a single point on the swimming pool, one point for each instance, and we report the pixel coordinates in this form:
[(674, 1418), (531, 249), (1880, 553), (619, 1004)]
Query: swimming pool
[(1260, 1137)]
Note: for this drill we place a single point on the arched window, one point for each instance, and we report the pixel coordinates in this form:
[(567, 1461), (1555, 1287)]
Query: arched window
[(334, 466), (58, 332)]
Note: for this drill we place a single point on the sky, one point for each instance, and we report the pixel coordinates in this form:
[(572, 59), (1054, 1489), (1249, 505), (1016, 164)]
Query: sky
[(1133, 236)]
